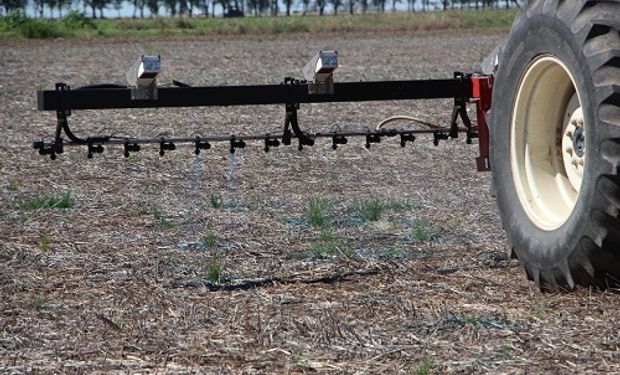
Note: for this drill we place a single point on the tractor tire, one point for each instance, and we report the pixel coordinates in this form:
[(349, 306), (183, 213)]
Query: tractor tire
[(555, 142)]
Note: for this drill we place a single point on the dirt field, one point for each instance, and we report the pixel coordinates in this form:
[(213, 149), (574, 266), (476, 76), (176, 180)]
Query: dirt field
[(213, 264)]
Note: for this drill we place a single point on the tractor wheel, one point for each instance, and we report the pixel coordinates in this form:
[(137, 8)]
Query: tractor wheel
[(555, 142)]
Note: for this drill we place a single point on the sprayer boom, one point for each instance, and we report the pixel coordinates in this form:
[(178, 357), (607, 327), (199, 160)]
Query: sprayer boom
[(318, 87)]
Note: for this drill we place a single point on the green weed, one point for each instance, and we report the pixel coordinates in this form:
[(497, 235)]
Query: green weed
[(539, 312), (327, 235), (12, 186), (318, 212), (39, 301), (63, 201), (45, 242), (175, 160), (422, 233), (330, 247), (132, 159), (299, 355), (423, 368), (158, 214), (175, 259), (371, 210), (325, 249), (209, 240), (506, 351), (215, 270), (215, 200), (169, 224), (161, 216)]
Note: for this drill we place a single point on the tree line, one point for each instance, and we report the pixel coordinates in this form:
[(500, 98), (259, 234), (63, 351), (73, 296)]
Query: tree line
[(211, 8)]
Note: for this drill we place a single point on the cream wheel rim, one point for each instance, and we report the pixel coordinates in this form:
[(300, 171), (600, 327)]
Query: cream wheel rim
[(547, 142)]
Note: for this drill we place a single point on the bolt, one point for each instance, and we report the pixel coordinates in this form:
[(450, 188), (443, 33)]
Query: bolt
[(575, 162), (569, 134), (581, 162), (569, 151), (573, 122)]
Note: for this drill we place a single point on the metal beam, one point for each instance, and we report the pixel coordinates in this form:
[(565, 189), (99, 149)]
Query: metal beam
[(109, 98)]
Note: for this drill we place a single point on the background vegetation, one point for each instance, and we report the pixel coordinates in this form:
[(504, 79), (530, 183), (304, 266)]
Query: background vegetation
[(95, 8), (76, 25)]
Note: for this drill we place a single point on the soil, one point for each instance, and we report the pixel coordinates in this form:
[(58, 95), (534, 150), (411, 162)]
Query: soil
[(213, 264)]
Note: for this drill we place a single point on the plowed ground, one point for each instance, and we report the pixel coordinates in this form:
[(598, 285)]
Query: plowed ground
[(211, 264)]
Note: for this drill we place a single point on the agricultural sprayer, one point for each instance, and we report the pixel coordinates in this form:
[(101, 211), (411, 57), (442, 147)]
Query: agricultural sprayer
[(551, 95)]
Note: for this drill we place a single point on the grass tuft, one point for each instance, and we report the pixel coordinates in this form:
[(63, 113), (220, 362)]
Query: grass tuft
[(132, 159), (45, 242), (325, 249), (169, 224), (161, 216), (422, 233), (329, 246), (209, 240), (39, 302), (371, 210), (215, 201), (318, 212), (423, 368), (215, 270), (327, 235), (158, 214), (48, 201)]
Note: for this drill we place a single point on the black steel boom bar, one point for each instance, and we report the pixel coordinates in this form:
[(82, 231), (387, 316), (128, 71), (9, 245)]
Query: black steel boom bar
[(108, 98)]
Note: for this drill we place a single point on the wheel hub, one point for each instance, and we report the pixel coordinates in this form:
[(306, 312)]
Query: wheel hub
[(579, 141), (574, 146)]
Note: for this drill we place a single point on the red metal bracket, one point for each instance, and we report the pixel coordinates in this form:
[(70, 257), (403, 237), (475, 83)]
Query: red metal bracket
[(482, 89)]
